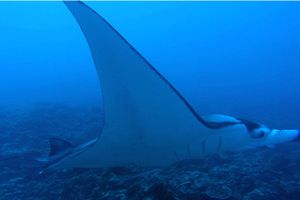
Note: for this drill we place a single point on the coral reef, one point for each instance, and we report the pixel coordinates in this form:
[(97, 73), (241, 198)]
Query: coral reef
[(253, 175)]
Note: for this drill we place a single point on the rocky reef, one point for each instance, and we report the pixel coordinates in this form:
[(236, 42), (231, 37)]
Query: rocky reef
[(260, 174)]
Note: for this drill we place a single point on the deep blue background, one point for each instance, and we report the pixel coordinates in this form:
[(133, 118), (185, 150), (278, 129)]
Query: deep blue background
[(237, 58)]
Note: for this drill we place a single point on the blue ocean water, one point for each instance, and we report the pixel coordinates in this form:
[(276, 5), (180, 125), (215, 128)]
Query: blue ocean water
[(234, 58)]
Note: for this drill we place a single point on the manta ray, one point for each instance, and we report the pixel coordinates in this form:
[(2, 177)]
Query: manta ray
[(147, 122)]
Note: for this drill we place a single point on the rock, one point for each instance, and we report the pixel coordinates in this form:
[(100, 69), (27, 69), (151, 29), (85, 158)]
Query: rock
[(218, 192)]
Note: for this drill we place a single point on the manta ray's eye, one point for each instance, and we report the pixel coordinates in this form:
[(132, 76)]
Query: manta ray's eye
[(258, 133), (261, 134)]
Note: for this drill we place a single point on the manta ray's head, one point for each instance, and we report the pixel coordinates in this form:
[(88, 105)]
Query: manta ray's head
[(274, 136), (265, 136)]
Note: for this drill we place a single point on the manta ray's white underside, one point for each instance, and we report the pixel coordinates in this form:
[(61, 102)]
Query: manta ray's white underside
[(147, 122)]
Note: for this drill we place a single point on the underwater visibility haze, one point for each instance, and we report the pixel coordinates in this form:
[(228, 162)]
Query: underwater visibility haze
[(214, 116)]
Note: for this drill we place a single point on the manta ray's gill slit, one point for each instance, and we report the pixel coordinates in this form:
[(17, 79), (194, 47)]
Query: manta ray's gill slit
[(220, 144)]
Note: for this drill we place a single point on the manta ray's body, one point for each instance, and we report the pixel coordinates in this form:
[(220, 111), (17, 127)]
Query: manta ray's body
[(147, 121)]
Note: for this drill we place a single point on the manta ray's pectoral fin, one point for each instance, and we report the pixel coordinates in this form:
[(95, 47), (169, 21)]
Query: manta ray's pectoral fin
[(145, 118)]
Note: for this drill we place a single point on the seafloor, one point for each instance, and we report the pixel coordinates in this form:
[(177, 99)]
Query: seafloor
[(253, 175)]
